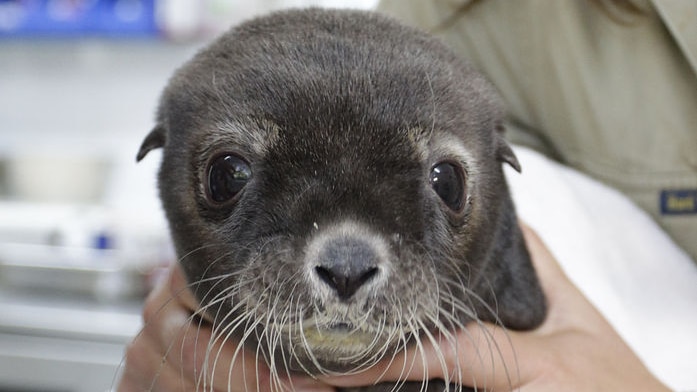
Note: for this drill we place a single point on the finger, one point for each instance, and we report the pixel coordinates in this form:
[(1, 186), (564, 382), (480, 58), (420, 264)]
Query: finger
[(147, 362), (164, 316), (127, 384), (145, 367), (223, 362), (218, 361), (179, 289), (186, 343), (146, 370)]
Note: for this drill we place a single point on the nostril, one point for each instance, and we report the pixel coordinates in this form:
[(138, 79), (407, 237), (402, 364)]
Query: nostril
[(344, 281), (367, 275), (327, 276)]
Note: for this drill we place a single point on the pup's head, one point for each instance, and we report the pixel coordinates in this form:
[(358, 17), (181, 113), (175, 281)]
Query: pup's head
[(334, 188)]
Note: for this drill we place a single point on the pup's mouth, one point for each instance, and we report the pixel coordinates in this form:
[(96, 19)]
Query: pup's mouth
[(332, 339), (341, 338), (324, 347)]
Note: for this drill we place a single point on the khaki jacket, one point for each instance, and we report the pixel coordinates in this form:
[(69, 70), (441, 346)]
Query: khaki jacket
[(616, 100)]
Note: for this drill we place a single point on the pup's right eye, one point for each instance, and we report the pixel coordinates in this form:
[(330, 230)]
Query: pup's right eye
[(227, 176), (447, 181)]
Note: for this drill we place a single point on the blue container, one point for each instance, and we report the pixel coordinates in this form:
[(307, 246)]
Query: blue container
[(21, 18)]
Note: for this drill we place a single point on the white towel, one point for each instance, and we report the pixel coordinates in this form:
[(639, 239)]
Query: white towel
[(642, 282)]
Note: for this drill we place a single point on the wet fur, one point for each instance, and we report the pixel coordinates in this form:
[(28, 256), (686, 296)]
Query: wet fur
[(341, 115)]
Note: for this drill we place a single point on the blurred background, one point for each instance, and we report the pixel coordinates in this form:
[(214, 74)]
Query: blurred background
[(82, 234)]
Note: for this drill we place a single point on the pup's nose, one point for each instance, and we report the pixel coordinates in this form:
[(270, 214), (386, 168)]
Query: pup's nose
[(346, 264)]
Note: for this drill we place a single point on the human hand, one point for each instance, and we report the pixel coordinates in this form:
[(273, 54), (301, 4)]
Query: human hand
[(177, 352), (575, 349)]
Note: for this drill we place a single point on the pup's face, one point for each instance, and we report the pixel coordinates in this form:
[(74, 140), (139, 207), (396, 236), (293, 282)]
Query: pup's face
[(334, 189)]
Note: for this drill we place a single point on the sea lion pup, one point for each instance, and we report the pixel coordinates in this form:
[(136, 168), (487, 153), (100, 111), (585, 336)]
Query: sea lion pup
[(334, 189)]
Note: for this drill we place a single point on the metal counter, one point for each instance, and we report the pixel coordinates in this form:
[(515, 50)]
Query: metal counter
[(61, 343)]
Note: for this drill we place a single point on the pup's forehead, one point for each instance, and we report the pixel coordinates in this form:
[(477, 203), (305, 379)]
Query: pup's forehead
[(251, 138), (312, 43), (320, 142), (256, 85)]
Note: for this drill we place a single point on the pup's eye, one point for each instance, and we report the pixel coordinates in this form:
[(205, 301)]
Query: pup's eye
[(447, 180), (227, 176)]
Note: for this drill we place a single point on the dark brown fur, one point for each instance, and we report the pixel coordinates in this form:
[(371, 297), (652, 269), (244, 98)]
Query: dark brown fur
[(349, 111)]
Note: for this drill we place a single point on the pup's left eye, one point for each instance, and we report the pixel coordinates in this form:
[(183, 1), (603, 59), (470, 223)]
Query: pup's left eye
[(227, 176), (447, 180)]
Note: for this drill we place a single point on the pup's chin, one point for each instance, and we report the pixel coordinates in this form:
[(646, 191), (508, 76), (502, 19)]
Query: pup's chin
[(336, 348)]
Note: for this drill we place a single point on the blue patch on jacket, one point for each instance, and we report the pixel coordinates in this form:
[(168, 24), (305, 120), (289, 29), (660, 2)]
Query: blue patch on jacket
[(679, 201)]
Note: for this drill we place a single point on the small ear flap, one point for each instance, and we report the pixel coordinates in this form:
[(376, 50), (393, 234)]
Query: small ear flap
[(504, 153), (155, 139)]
